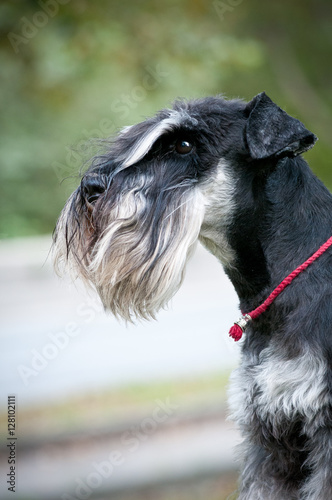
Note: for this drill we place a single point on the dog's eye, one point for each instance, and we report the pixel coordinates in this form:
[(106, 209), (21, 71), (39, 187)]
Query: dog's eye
[(183, 147)]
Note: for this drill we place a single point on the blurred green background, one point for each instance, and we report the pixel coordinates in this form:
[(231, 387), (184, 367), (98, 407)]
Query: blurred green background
[(73, 69)]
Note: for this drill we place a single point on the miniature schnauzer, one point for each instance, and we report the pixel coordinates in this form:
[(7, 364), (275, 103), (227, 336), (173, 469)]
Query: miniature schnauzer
[(227, 173)]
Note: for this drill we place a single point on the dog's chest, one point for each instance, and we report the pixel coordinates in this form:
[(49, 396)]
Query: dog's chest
[(273, 392)]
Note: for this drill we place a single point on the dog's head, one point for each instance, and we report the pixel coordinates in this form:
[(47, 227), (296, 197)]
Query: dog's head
[(132, 223)]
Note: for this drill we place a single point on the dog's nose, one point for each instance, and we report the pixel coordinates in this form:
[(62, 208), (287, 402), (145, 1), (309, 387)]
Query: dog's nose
[(92, 187)]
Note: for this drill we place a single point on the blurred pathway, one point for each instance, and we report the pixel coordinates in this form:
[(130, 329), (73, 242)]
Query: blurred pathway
[(57, 341), (143, 456)]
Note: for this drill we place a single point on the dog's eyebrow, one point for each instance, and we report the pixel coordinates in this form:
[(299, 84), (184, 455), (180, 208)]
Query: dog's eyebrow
[(145, 143)]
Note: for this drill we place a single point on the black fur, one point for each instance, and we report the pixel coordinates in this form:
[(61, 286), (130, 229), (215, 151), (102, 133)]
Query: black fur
[(276, 216)]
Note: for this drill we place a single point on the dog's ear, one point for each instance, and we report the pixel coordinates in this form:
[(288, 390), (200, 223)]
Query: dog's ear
[(270, 131)]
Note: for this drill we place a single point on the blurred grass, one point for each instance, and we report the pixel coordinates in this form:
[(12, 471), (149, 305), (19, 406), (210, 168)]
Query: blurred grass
[(84, 73), (109, 408), (220, 488)]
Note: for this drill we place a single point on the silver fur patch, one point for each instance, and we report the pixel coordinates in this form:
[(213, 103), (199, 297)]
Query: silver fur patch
[(277, 388), (218, 193)]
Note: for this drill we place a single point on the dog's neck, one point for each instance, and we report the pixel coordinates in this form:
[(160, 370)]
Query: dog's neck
[(287, 221)]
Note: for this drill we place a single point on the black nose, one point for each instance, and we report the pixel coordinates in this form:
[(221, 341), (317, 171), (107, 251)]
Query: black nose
[(92, 186)]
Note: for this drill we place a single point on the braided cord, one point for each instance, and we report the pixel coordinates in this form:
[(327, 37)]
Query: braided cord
[(238, 328), (287, 281)]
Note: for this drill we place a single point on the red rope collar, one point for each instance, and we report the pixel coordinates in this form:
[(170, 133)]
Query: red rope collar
[(239, 326)]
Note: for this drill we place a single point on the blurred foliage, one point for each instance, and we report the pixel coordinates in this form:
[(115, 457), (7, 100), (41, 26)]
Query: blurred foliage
[(73, 69)]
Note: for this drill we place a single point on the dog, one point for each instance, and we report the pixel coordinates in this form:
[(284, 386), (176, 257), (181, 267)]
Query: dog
[(229, 174)]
